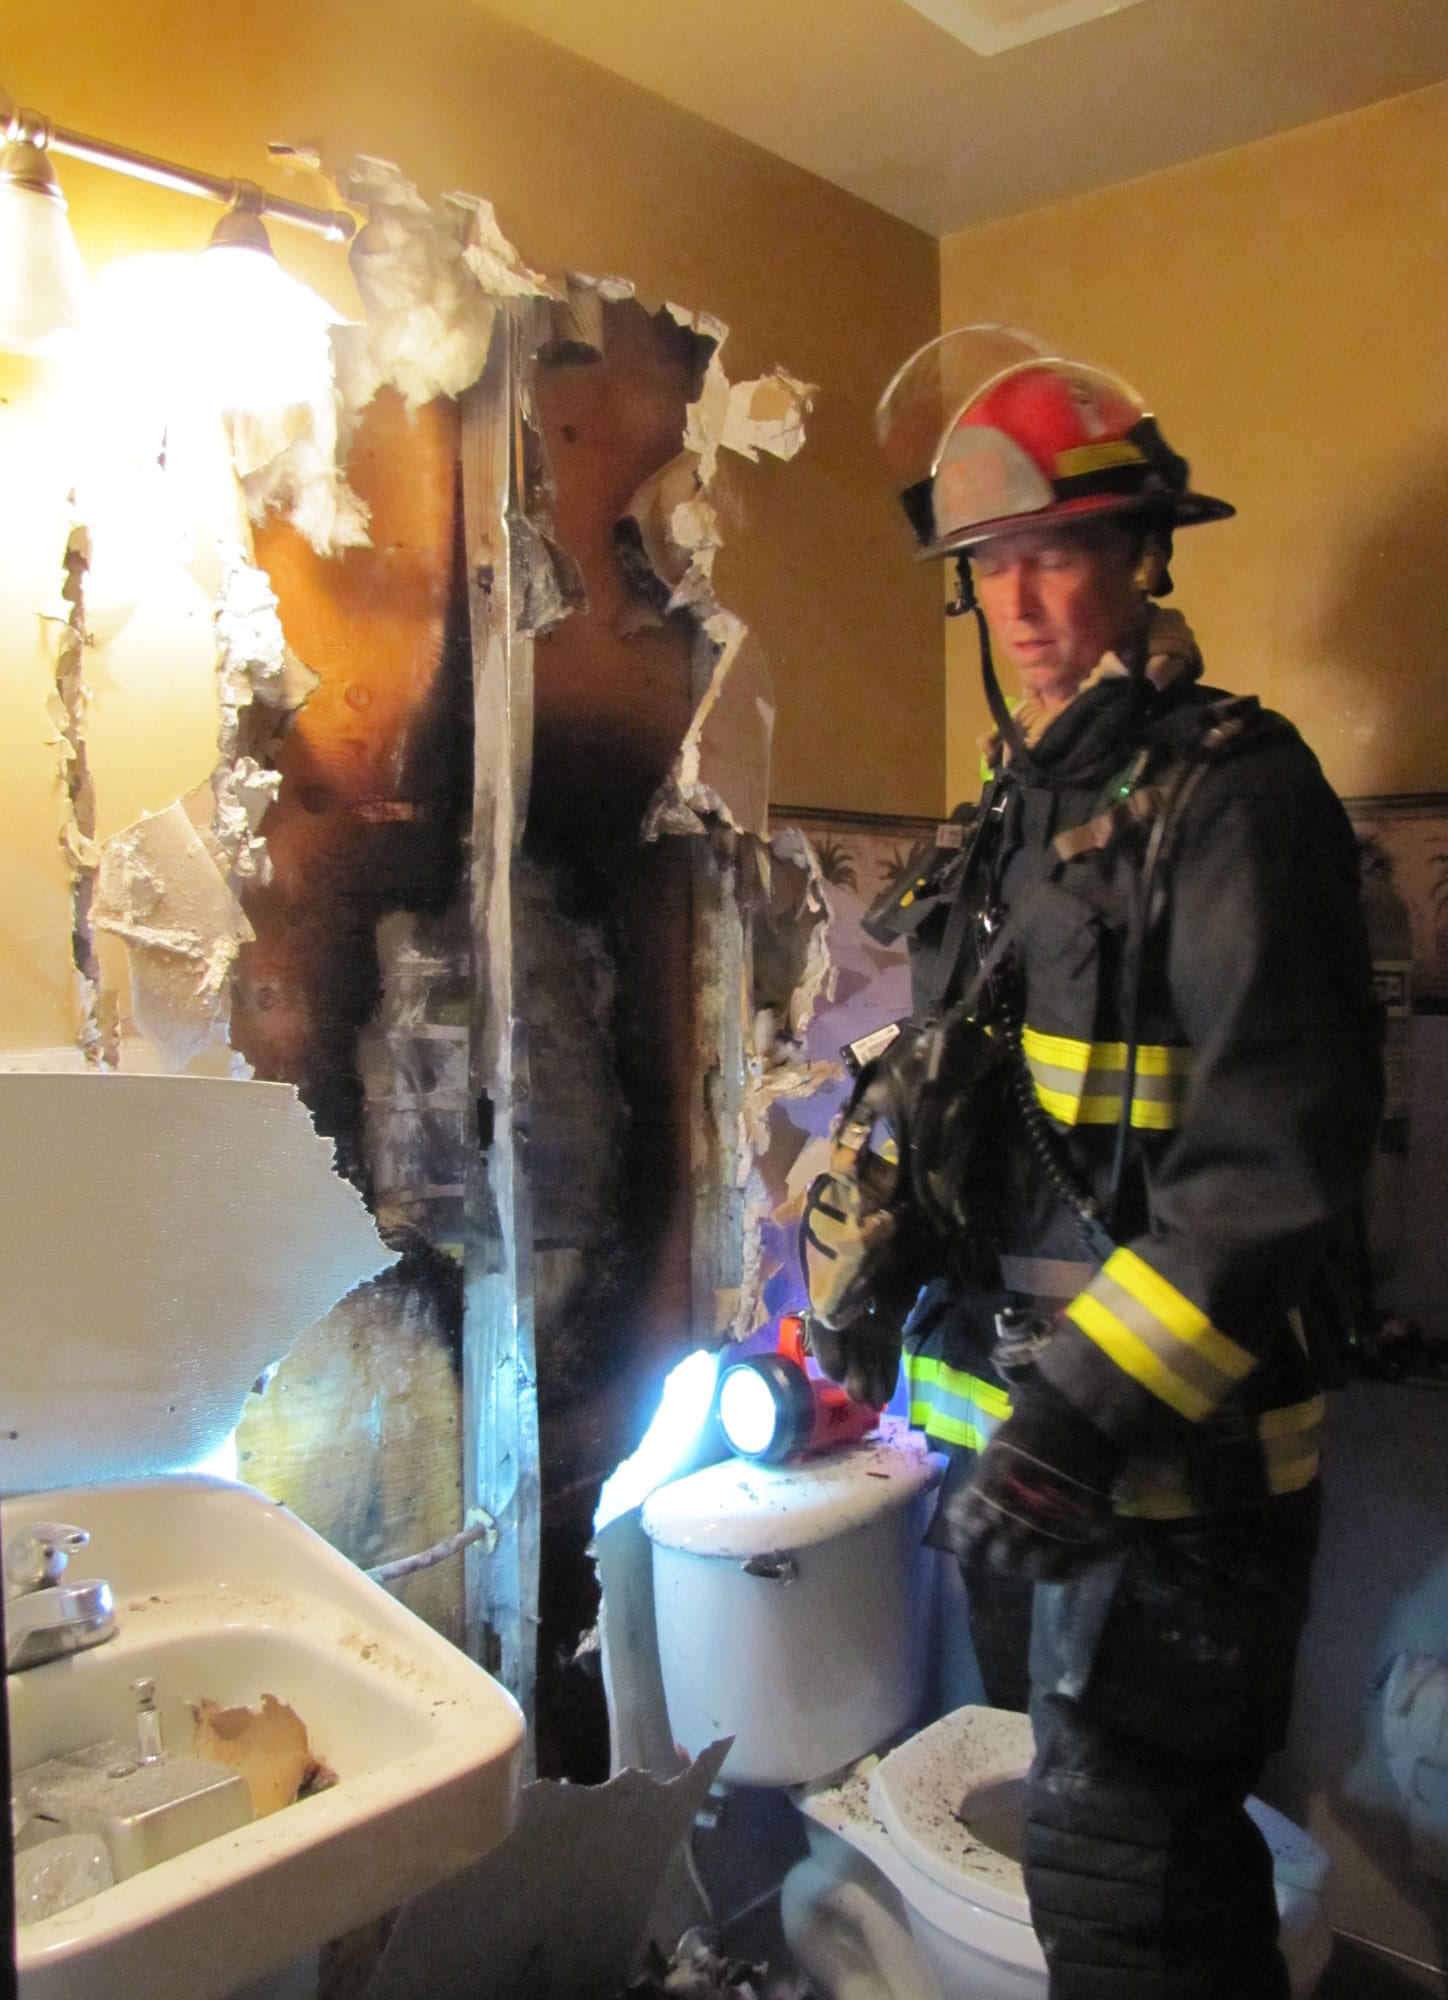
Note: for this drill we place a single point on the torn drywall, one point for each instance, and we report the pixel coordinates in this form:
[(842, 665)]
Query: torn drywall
[(668, 534), (253, 663), (718, 784), (168, 1239), (98, 1034), (564, 1907), (163, 890), (722, 769)]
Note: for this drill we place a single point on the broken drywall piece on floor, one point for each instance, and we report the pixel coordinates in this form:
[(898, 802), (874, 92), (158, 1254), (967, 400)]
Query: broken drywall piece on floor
[(563, 1907), (722, 769), (168, 1240), (431, 280), (163, 891)]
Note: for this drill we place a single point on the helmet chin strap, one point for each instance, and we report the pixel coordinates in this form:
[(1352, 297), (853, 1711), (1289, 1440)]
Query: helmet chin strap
[(1011, 733)]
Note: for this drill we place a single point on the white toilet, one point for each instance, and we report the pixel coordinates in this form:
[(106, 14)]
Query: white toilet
[(792, 1606)]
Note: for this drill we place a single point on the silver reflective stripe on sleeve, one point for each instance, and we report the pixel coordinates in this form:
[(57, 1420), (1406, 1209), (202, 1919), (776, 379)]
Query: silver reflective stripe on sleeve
[(953, 1405), (1080, 1083)]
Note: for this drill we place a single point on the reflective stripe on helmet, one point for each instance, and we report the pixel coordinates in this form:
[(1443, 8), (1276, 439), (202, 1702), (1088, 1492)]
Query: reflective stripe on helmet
[(1154, 1334)]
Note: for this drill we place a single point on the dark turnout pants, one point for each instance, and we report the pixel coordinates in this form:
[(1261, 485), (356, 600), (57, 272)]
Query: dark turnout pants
[(1160, 1683), (1147, 1879)]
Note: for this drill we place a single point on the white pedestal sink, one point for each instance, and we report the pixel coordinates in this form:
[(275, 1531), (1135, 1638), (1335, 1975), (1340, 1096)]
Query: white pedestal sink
[(222, 1595)]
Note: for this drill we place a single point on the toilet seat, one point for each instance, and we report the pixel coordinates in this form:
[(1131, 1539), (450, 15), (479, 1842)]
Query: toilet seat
[(918, 1790)]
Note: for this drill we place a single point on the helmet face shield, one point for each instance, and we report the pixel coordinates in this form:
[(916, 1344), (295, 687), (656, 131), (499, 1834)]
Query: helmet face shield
[(927, 396), (985, 431)]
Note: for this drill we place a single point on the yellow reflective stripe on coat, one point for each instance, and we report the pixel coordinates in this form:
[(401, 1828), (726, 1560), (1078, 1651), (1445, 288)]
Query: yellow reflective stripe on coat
[(1291, 1440), (1157, 1336), (950, 1404), (1080, 1083)]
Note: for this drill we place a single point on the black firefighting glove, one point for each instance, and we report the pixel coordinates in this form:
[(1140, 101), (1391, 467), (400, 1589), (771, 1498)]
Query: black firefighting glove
[(1038, 1503), (863, 1357)]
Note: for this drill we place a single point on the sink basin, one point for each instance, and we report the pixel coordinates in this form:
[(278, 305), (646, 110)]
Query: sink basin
[(220, 1594)]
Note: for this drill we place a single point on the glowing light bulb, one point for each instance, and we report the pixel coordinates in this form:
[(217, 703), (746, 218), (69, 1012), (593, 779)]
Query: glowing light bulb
[(262, 339), (42, 281), (748, 1412)]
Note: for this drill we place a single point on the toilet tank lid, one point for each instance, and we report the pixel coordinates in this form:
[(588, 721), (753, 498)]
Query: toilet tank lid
[(741, 1508)]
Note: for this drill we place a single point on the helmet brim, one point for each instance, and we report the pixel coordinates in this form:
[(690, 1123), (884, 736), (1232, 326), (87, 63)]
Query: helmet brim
[(1177, 510)]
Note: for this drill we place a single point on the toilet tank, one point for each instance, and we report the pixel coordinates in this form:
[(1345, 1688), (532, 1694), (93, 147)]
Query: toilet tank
[(792, 1605)]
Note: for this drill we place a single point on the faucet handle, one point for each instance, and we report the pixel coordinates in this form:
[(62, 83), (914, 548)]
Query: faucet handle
[(37, 1556)]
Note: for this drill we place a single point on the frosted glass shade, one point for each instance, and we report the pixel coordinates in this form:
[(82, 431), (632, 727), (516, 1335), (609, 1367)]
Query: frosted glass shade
[(42, 281)]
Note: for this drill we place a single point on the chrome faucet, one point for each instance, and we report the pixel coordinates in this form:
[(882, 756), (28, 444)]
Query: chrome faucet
[(46, 1617)]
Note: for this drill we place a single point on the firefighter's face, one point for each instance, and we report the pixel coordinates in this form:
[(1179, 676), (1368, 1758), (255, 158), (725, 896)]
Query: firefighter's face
[(1056, 599)]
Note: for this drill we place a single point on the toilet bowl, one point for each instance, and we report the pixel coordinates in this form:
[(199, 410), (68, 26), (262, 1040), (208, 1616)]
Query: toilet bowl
[(941, 1819), (792, 1608)]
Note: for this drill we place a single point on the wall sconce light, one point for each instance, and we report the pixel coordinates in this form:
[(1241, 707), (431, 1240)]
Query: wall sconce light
[(42, 284)]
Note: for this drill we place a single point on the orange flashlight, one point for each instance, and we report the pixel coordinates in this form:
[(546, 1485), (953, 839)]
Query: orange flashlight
[(771, 1406)]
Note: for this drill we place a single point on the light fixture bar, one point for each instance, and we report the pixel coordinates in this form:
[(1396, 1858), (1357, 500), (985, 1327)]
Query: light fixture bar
[(334, 224)]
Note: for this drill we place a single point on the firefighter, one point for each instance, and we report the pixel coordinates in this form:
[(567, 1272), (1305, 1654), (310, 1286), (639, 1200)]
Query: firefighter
[(1137, 1097)]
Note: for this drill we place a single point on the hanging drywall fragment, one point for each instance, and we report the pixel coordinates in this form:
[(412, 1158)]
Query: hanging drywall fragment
[(800, 917), (491, 257), (164, 892), (563, 1907), (547, 582), (668, 535), (430, 280), (791, 976), (722, 769), (254, 663), (98, 1031), (766, 414), (169, 1238), (666, 530)]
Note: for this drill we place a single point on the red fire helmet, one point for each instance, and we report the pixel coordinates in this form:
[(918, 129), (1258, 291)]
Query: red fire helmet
[(986, 430)]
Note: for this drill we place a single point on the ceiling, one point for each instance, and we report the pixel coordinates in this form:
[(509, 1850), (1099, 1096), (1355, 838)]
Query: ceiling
[(871, 95)]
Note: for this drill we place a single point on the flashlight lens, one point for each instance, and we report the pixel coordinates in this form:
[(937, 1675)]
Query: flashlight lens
[(748, 1412)]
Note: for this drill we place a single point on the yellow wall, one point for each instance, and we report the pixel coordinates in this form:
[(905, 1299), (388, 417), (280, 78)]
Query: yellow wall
[(586, 172), (1284, 308)]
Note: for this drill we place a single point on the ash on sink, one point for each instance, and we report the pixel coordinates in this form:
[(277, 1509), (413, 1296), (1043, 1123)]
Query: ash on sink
[(698, 1972)]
